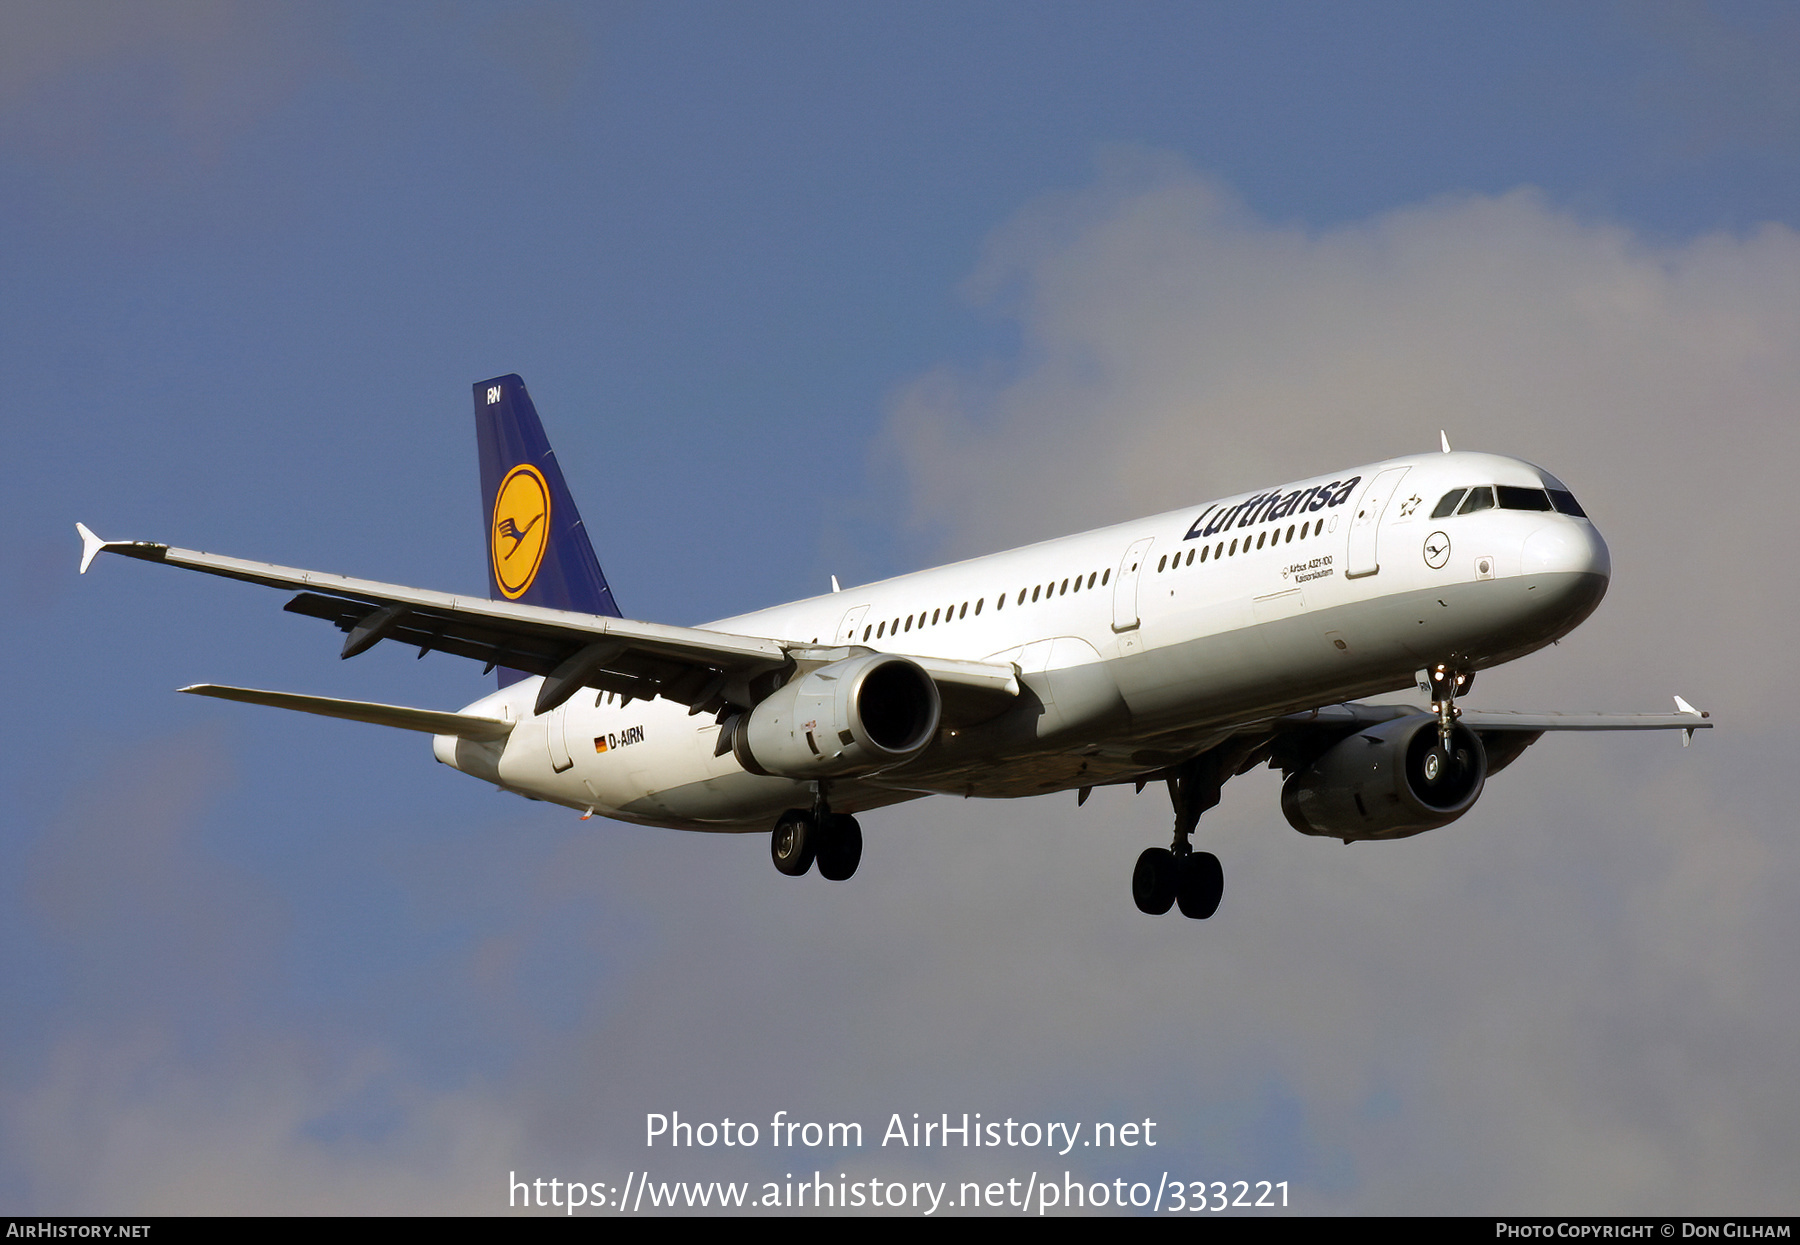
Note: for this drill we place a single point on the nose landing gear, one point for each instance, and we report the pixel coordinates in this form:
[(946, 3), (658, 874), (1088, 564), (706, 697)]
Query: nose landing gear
[(1446, 684)]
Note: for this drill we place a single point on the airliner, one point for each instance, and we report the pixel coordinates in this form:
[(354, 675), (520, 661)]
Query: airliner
[(1184, 648)]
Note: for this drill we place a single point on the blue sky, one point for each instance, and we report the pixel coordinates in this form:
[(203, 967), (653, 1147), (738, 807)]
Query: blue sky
[(810, 290)]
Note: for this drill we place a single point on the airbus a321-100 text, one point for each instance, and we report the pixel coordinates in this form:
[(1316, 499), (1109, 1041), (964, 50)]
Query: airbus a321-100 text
[(1183, 648)]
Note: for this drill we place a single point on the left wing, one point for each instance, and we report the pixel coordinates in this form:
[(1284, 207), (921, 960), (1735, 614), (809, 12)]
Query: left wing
[(1687, 719), (703, 669), (1503, 734)]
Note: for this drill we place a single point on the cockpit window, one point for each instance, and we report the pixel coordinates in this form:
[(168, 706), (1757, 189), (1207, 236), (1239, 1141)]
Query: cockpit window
[(1447, 506), (1514, 498), (1479, 499), (1565, 503)]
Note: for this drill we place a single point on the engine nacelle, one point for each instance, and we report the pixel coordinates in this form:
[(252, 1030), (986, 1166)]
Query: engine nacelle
[(849, 717), (1387, 782)]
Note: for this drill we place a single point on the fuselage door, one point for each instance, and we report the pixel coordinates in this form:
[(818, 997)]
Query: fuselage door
[(1125, 585), (851, 625), (1367, 522)]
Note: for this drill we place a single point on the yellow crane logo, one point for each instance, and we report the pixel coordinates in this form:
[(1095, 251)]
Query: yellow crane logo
[(521, 529)]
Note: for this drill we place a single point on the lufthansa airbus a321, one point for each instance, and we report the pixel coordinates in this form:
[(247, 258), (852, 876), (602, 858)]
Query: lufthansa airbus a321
[(1183, 648)]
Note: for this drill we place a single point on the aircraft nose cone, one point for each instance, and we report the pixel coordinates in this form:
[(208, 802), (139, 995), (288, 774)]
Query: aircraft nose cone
[(1567, 548)]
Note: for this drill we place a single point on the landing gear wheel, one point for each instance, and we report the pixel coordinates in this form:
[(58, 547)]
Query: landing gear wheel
[(1153, 881), (840, 846), (1200, 883), (794, 842)]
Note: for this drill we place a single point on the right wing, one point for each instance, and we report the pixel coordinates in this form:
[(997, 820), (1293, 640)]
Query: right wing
[(703, 669)]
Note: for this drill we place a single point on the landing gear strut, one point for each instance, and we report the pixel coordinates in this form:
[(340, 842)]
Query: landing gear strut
[(1447, 683), (1177, 874), (802, 836)]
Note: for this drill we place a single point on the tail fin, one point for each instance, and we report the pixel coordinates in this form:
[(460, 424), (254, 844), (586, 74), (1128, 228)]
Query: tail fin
[(538, 550)]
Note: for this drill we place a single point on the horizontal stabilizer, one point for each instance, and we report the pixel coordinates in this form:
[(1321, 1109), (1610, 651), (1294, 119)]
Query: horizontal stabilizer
[(431, 722)]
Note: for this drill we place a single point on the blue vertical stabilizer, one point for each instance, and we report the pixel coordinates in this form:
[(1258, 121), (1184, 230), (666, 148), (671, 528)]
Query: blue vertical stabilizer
[(537, 549)]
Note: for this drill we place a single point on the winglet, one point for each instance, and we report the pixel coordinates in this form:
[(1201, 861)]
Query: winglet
[(90, 546), (1682, 706), (1444, 440)]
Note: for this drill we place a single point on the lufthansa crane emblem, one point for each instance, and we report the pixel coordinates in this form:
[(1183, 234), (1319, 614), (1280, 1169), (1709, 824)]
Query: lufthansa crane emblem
[(521, 529), (1437, 550)]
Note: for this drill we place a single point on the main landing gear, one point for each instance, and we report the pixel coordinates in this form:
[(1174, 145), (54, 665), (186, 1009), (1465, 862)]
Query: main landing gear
[(1177, 875), (801, 837)]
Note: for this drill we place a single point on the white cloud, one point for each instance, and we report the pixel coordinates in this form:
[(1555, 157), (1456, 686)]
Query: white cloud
[(1177, 348), (1550, 987), (1578, 998)]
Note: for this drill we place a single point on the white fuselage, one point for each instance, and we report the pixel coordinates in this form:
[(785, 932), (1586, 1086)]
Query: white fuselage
[(1137, 644)]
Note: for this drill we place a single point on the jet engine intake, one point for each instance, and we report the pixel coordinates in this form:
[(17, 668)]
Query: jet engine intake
[(1388, 782), (848, 717)]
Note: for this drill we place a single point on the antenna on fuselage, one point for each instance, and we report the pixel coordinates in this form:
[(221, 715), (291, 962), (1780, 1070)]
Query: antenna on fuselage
[(1444, 440)]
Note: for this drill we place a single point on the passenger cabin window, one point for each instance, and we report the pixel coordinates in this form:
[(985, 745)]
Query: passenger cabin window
[(1447, 506), (1479, 499), (1514, 498)]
